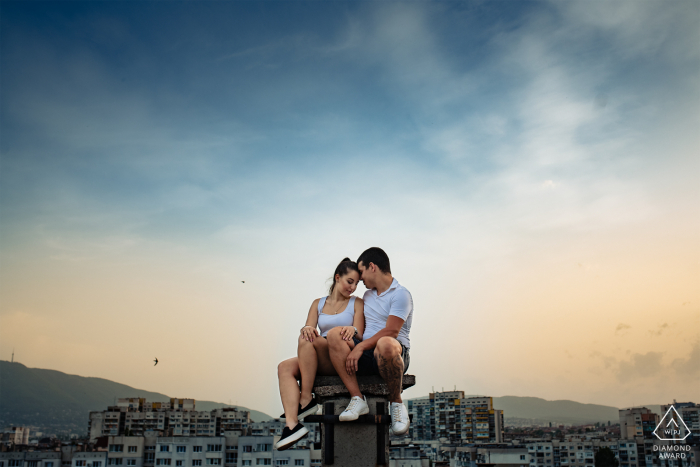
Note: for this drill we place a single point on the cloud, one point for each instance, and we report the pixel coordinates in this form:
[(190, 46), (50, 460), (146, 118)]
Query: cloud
[(659, 330), (689, 368), (646, 365), (622, 327)]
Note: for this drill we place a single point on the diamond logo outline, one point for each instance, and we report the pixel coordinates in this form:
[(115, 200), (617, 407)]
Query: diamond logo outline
[(668, 417)]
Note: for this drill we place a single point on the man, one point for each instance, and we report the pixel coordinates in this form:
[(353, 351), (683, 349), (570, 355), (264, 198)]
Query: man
[(385, 344)]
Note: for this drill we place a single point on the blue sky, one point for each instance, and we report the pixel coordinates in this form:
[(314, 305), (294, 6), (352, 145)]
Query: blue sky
[(160, 151)]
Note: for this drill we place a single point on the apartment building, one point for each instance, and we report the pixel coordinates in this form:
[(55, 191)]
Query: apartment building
[(258, 450), (191, 452), (16, 435), (407, 455), (30, 459), (89, 459), (451, 417), (127, 451), (137, 417), (275, 426), (638, 422), (689, 412)]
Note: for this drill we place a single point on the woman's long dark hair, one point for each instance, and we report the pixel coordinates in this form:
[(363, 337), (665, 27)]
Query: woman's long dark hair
[(345, 266)]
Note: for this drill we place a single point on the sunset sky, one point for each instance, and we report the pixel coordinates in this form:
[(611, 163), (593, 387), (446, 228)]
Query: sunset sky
[(531, 168)]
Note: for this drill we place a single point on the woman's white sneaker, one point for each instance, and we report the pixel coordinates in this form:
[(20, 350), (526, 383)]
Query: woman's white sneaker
[(399, 418), (356, 407)]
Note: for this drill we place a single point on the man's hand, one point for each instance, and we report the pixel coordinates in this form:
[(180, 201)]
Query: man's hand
[(351, 364)]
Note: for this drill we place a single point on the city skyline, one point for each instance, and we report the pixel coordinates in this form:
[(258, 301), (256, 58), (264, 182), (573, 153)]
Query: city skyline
[(179, 180)]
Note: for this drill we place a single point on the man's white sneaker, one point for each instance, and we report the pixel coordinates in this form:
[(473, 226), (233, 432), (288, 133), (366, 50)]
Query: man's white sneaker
[(356, 407), (399, 418)]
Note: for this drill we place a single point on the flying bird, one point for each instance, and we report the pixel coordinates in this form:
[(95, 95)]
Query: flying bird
[(243, 282), (156, 360)]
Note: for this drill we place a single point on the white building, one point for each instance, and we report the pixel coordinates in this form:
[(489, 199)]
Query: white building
[(126, 451), (136, 417), (258, 450), (89, 459), (16, 435), (30, 459)]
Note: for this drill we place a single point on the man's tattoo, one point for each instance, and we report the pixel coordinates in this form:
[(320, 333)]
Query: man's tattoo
[(391, 370)]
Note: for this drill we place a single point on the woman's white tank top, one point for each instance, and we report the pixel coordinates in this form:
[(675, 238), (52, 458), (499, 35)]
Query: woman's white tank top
[(328, 322)]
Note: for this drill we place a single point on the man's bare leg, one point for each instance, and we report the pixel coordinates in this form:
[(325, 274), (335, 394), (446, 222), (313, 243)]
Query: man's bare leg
[(339, 351), (388, 355), (287, 372)]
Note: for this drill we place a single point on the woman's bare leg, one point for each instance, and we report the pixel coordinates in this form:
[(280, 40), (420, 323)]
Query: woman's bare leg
[(308, 364), (325, 365), (287, 372)]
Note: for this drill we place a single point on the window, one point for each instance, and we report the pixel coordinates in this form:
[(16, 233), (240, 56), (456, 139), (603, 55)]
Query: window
[(246, 462), (181, 449), (16, 462), (196, 462), (165, 448), (116, 448), (178, 463), (150, 448), (32, 463), (213, 448), (522, 457), (149, 457), (196, 448), (263, 461), (114, 462), (213, 461), (131, 462), (162, 461), (133, 448), (263, 447), (248, 448), (231, 457), (298, 461), (46, 464), (77, 463)]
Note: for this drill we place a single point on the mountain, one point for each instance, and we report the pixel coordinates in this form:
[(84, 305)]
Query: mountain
[(536, 411), (58, 403), (556, 412)]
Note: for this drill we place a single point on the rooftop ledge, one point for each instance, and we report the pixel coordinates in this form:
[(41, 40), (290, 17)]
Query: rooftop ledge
[(329, 386)]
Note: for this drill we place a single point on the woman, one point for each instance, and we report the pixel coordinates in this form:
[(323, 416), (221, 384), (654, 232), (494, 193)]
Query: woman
[(339, 308)]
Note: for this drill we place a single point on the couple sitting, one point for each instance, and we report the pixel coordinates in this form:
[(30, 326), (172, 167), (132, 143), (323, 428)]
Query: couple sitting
[(367, 336)]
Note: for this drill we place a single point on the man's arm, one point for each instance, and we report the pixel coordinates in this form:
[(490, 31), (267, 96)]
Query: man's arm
[(393, 326), (400, 309)]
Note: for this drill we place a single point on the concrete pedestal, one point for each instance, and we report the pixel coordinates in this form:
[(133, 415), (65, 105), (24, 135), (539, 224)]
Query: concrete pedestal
[(364, 442)]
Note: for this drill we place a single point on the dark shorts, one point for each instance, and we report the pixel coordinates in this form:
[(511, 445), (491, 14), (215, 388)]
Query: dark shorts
[(368, 364)]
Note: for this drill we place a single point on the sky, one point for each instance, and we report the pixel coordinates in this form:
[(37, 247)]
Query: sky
[(532, 170)]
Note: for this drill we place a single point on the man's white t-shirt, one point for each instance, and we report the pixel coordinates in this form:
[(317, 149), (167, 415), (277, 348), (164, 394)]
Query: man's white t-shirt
[(395, 301)]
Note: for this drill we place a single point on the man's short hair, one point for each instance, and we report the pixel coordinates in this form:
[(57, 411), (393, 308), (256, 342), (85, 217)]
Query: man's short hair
[(377, 256)]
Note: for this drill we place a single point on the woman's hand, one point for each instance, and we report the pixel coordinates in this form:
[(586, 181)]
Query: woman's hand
[(308, 333), (347, 333)]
